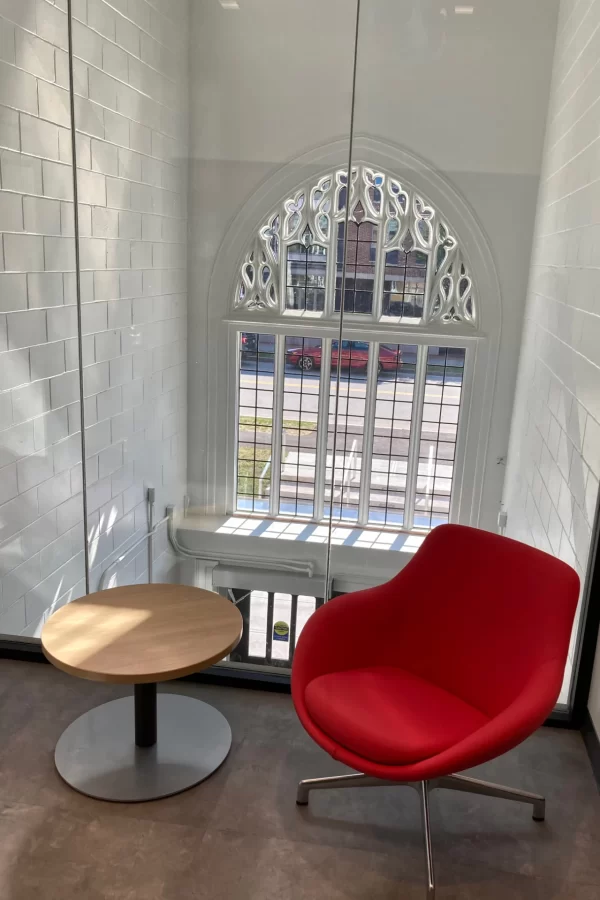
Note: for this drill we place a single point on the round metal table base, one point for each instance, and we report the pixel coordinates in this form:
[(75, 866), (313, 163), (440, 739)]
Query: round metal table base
[(97, 754)]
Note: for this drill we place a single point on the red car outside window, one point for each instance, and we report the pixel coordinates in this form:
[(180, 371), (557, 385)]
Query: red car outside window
[(355, 355)]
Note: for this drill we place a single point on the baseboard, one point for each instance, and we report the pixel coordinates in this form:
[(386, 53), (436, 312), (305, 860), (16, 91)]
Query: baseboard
[(26, 650), (592, 743), (254, 681)]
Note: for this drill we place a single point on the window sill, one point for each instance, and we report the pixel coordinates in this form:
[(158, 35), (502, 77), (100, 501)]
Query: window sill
[(360, 557)]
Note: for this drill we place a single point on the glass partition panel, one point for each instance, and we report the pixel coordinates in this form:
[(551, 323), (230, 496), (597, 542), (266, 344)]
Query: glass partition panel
[(435, 270), (132, 121), (41, 511), (204, 426), (296, 340)]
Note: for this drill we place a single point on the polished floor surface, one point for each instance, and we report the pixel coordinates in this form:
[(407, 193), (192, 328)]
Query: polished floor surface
[(240, 836)]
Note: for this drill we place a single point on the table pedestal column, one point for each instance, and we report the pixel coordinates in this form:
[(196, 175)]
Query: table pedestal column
[(143, 747), (145, 714)]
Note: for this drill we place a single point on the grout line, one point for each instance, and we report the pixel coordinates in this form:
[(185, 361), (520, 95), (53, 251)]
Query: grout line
[(572, 38)]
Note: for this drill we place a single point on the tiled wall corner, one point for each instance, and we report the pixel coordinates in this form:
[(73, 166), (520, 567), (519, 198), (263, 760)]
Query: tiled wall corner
[(551, 486)]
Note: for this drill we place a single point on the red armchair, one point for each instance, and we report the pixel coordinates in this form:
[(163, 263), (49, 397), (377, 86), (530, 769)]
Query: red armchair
[(453, 662)]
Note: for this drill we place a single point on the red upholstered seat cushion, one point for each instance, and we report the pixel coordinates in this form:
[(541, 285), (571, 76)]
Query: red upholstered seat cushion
[(388, 715)]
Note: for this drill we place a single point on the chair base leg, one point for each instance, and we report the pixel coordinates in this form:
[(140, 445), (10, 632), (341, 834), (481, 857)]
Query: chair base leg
[(338, 781), (423, 788), (475, 786)]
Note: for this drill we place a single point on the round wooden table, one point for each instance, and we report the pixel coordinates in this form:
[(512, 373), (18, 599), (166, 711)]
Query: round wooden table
[(147, 746)]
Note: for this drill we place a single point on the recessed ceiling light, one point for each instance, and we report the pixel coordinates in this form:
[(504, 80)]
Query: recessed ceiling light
[(464, 10), (229, 4)]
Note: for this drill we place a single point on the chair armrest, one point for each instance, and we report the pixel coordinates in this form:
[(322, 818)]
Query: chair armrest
[(341, 634)]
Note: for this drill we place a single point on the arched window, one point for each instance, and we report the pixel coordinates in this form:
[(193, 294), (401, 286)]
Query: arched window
[(403, 264), (410, 323)]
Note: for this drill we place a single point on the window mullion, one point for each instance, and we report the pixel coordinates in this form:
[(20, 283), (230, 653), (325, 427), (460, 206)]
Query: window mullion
[(415, 437), (368, 435), (331, 272), (379, 272), (283, 272), (322, 428), (429, 274), (276, 440)]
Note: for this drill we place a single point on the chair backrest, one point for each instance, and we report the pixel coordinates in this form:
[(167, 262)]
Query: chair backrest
[(477, 614)]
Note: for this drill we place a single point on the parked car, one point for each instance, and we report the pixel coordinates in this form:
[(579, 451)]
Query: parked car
[(355, 355)]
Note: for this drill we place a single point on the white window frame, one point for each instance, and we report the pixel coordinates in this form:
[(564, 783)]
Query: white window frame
[(417, 220), (212, 483), (354, 332)]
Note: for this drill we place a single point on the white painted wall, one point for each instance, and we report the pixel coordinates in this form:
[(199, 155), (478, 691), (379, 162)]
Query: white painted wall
[(554, 464), (468, 94), (131, 117)]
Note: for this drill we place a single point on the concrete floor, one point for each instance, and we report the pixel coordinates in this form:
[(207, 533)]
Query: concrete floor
[(240, 834)]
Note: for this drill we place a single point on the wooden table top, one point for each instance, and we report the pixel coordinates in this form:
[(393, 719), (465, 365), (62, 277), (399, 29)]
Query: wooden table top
[(142, 633)]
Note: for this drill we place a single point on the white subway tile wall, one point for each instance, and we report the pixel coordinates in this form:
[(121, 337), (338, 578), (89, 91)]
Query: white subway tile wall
[(41, 546), (131, 119), (131, 98), (553, 469)]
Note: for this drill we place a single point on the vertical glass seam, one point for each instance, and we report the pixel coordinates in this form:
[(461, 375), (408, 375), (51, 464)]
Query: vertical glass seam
[(343, 289), (78, 292)]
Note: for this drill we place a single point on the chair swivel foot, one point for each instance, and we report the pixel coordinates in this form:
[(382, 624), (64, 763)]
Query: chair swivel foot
[(335, 781), (485, 788), (539, 811), (302, 794)]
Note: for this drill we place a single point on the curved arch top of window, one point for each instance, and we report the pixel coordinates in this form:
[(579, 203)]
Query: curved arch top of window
[(402, 260)]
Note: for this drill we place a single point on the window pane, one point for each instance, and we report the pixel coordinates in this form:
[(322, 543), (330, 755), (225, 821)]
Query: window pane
[(306, 274), (388, 464), (305, 609), (255, 421), (257, 626), (437, 446), (273, 622), (404, 285), (301, 383), (350, 431), (361, 251), (393, 414)]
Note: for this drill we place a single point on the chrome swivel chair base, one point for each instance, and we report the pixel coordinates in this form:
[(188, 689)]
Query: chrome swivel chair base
[(423, 788)]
